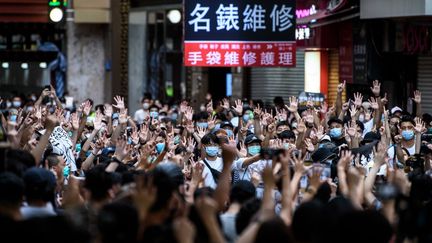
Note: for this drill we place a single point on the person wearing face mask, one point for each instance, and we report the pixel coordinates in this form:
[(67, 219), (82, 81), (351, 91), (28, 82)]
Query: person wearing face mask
[(228, 127), (253, 161), (154, 112), (143, 113), (406, 141), (336, 131), (288, 139), (213, 164), (16, 102)]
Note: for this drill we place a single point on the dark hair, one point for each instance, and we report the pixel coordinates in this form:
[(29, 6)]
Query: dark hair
[(98, 182), (273, 230), (307, 221), (407, 119), (37, 188), (287, 134), (52, 160), (246, 213), (11, 190), (209, 138), (242, 191), (278, 100), (165, 189), (18, 161), (118, 222)]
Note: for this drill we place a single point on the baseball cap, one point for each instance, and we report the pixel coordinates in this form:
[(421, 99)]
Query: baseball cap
[(322, 154), (252, 139), (371, 137), (226, 123), (396, 109)]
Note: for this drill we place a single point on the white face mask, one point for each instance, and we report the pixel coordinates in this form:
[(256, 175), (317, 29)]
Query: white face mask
[(361, 118), (146, 106), (202, 108)]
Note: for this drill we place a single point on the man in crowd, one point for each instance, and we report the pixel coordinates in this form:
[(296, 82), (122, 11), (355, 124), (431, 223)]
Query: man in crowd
[(284, 172)]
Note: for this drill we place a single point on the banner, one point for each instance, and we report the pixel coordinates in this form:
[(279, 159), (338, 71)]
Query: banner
[(227, 33)]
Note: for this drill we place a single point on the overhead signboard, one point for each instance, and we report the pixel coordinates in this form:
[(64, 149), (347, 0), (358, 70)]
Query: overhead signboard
[(226, 33)]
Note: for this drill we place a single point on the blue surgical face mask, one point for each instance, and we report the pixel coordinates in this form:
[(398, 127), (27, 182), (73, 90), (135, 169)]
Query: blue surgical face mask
[(78, 147), (160, 147), (407, 135), (286, 145), (212, 151), (70, 134), (66, 171), (335, 132), (254, 150), (229, 132), (202, 124), (154, 114), (246, 117), (16, 103)]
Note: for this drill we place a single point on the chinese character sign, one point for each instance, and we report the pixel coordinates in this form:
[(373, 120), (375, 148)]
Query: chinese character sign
[(240, 33)]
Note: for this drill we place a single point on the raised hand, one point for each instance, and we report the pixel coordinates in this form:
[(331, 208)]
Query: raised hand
[(87, 108), (420, 125), (358, 99), (201, 132), (122, 149), (353, 111), (323, 108), (225, 104), (123, 116), (97, 123), (345, 160), (374, 103), (293, 104), (309, 145), (238, 108), (144, 195), (258, 111), (119, 103), (376, 88), (143, 133), (341, 87), (417, 97), (191, 144), (75, 121), (301, 127), (211, 123), (352, 129), (243, 150), (108, 110), (189, 113)]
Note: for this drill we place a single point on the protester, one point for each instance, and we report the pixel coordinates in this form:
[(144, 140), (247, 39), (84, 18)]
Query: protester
[(232, 171)]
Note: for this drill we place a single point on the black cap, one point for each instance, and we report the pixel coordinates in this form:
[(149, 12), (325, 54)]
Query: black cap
[(335, 119), (322, 154), (226, 123), (371, 137), (252, 139)]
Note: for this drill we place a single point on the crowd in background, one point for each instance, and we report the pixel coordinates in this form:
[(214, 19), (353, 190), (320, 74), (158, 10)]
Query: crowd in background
[(230, 171)]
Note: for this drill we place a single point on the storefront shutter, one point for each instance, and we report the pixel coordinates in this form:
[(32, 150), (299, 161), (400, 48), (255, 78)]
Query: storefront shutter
[(267, 83), (333, 78), (424, 82)]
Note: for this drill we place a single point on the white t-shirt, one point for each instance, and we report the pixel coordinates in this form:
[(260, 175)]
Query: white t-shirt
[(207, 175), (368, 126), (392, 153), (246, 172), (140, 116)]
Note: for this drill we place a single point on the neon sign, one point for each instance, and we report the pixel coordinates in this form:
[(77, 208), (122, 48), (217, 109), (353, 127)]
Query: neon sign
[(302, 13)]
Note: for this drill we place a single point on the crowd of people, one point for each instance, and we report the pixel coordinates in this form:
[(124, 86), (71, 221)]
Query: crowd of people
[(230, 171)]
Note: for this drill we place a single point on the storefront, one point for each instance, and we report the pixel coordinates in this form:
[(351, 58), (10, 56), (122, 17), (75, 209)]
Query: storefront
[(25, 60), (399, 50)]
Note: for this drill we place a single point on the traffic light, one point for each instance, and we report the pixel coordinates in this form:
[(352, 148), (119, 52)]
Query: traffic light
[(56, 10)]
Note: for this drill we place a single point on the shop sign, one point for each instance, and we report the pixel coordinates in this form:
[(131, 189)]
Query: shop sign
[(303, 32), (245, 33)]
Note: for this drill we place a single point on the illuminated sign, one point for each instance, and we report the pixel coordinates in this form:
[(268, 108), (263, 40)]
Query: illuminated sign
[(303, 32), (302, 13)]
